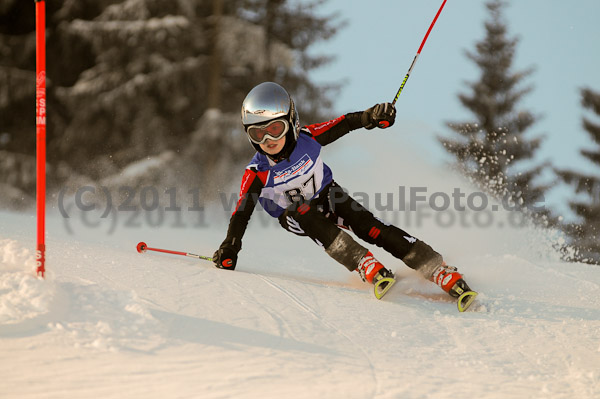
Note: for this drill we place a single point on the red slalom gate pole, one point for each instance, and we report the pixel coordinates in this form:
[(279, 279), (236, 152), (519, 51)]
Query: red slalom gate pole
[(40, 27)]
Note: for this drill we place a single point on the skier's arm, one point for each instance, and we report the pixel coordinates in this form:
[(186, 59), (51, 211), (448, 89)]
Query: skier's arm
[(226, 256), (327, 132)]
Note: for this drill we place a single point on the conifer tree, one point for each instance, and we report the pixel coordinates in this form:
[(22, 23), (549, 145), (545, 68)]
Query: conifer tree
[(128, 79), (490, 146), (586, 232)]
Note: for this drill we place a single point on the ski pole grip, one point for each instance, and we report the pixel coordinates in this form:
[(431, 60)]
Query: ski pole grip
[(384, 124)]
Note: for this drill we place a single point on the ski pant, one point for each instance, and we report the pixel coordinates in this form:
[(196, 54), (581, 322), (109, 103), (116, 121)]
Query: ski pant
[(322, 217)]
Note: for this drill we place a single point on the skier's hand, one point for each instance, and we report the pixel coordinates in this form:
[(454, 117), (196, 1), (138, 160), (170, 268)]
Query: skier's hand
[(225, 258), (380, 115)]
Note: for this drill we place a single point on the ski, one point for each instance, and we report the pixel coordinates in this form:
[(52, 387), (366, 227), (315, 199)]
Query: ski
[(382, 286), (463, 293), (465, 300)]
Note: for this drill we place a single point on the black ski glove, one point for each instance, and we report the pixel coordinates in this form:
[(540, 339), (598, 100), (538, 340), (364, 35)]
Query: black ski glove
[(225, 257), (380, 115)]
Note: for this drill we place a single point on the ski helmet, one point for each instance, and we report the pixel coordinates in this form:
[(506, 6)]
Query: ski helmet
[(266, 103)]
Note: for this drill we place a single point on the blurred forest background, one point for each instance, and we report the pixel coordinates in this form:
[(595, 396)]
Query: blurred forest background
[(137, 85), (148, 92)]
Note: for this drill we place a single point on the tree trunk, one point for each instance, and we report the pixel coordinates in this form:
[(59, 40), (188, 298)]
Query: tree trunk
[(215, 68)]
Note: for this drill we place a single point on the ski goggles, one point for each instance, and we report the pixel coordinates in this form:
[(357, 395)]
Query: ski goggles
[(273, 130)]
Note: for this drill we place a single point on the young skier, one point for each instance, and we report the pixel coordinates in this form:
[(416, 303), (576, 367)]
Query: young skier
[(292, 183)]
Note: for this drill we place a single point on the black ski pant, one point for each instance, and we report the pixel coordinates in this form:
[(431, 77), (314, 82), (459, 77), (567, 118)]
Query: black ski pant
[(322, 217)]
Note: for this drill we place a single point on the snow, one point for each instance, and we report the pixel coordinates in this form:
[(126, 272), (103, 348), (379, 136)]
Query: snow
[(109, 322)]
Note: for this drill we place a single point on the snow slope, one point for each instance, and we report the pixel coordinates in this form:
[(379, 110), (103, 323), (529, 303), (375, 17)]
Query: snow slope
[(109, 322)]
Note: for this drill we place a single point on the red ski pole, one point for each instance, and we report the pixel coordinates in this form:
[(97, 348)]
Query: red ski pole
[(142, 247), (418, 52)]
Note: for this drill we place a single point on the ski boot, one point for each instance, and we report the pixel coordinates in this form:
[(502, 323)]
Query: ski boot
[(452, 282), (371, 270)]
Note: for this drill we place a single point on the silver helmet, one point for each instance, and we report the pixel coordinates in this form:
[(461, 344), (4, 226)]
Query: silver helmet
[(269, 101)]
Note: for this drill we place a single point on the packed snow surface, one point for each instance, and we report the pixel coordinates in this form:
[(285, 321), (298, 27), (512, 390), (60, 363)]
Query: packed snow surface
[(289, 322)]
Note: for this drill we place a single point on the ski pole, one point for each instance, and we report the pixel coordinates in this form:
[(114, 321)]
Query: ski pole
[(142, 247), (416, 57)]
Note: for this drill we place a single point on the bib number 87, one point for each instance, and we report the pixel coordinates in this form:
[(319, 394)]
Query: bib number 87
[(301, 194)]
